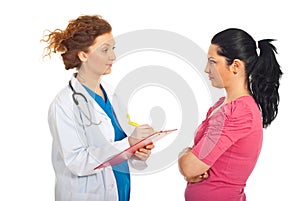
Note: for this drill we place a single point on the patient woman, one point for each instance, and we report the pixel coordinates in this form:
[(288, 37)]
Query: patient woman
[(228, 142)]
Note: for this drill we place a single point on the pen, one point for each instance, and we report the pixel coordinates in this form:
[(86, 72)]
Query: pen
[(132, 123)]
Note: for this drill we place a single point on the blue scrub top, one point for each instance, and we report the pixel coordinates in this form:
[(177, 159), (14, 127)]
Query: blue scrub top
[(121, 171)]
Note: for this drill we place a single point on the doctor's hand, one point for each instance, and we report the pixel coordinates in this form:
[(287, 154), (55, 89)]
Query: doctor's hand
[(144, 153), (139, 133)]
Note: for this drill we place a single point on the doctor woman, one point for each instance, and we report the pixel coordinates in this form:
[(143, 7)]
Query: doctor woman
[(87, 122)]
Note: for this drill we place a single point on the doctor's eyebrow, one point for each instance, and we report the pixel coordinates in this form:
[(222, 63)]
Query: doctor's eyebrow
[(106, 45)]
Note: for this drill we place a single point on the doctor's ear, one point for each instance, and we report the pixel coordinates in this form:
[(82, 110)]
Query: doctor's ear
[(82, 56), (236, 66)]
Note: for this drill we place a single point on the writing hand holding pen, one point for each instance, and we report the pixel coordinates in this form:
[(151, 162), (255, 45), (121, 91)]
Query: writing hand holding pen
[(140, 132)]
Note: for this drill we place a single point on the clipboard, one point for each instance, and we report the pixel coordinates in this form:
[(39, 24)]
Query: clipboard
[(127, 153)]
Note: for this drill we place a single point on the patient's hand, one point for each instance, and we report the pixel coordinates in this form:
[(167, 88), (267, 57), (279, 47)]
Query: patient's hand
[(198, 178)]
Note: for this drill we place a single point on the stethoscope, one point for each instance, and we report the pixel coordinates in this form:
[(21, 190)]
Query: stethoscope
[(87, 116)]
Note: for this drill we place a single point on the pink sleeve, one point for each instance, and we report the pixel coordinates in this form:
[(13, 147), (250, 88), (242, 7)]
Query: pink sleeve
[(232, 122)]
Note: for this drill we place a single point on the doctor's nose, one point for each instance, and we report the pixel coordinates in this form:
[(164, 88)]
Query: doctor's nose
[(112, 56)]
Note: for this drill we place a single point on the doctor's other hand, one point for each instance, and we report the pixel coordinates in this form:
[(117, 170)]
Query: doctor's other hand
[(144, 153), (139, 133)]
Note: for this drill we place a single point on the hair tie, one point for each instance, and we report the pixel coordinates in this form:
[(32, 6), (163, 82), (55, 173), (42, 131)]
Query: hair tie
[(257, 48), (256, 43)]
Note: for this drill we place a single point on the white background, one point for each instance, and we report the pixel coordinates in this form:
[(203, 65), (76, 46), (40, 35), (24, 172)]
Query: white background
[(28, 85)]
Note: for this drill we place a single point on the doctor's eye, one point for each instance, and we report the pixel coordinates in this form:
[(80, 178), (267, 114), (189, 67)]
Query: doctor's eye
[(108, 50), (105, 50)]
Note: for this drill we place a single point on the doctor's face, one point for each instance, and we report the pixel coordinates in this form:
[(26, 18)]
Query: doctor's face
[(100, 55)]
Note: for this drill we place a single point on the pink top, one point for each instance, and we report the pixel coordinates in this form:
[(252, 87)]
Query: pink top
[(230, 142)]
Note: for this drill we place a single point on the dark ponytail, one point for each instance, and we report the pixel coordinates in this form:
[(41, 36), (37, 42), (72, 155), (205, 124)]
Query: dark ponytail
[(262, 71), (264, 82)]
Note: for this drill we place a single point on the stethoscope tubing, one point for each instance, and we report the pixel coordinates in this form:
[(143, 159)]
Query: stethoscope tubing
[(87, 116)]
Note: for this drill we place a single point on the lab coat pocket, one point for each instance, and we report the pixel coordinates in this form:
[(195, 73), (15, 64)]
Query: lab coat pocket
[(88, 188)]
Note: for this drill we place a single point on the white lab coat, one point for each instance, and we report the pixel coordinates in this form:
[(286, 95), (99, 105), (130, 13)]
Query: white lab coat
[(78, 148)]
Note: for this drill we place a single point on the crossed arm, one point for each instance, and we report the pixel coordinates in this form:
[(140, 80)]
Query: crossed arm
[(193, 169)]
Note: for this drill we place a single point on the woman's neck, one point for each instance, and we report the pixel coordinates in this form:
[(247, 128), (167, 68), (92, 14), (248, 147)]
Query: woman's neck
[(91, 81), (237, 92)]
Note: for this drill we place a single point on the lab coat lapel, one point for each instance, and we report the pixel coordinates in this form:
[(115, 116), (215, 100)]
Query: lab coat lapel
[(119, 107)]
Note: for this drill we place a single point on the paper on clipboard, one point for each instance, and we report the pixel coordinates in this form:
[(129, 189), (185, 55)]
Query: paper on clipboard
[(127, 153)]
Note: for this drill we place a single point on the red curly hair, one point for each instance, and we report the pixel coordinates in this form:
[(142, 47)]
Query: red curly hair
[(79, 35)]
